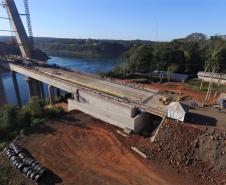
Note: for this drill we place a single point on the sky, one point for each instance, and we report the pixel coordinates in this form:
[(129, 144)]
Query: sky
[(158, 20)]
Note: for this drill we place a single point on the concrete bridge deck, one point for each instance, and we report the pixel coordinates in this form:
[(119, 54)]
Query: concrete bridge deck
[(70, 81), (96, 95)]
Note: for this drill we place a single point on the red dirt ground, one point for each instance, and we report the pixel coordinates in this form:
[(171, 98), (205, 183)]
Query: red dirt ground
[(175, 87), (178, 88), (84, 151)]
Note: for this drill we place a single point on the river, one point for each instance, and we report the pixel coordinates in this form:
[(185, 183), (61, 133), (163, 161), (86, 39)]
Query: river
[(84, 65)]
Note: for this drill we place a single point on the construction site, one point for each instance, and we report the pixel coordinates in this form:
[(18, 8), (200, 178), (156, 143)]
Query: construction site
[(78, 148), (112, 132)]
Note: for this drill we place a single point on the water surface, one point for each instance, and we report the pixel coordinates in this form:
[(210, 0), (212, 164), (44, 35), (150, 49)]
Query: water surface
[(84, 65)]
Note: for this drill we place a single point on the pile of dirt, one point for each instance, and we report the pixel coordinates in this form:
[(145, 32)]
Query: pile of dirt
[(211, 147), (196, 152), (79, 149)]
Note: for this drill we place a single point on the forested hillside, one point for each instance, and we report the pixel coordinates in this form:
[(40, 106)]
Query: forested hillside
[(8, 46), (84, 48), (78, 48), (187, 55)]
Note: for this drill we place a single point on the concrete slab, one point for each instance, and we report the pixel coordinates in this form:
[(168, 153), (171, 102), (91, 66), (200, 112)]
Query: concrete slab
[(147, 101), (101, 85)]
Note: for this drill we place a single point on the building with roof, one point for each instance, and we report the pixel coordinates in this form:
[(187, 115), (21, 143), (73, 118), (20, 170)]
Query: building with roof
[(216, 77)]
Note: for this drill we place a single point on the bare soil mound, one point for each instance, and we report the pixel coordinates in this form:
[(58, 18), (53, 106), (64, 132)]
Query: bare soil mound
[(194, 151), (81, 150)]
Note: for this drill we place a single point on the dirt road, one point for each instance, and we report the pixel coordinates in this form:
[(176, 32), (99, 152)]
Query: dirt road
[(80, 151)]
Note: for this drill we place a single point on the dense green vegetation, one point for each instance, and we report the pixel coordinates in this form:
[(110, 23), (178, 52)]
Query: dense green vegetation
[(187, 55), (84, 48), (14, 120), (78, 48), (8, 46)]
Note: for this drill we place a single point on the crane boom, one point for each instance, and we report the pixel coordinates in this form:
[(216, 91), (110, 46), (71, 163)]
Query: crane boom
[(28, 17)]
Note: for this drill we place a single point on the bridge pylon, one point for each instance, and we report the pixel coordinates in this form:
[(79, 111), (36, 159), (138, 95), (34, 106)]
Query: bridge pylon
[(18, 28)]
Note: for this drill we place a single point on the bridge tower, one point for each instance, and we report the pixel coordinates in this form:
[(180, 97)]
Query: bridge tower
[(23, 40)]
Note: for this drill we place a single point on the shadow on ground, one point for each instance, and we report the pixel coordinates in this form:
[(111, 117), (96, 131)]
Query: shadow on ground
[(50, 178), (200, 119), (43, 129)]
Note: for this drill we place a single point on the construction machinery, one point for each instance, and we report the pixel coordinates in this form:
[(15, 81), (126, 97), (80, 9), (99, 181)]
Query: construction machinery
[(168, 99), (165, 100)]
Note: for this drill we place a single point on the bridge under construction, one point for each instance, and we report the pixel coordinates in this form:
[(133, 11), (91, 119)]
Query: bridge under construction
[(114, 103)]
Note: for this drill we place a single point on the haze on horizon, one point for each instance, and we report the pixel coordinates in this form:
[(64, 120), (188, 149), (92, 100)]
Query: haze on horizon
[(124, 19)]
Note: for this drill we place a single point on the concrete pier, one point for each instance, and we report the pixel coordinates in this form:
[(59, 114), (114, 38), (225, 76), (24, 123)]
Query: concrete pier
[(34, 87), (58, 92), (3, 100), (51, 95), (42, 90), (109, 111), (16, 88)]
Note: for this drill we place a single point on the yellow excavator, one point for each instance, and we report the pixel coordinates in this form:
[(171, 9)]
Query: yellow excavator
[(167, 100)]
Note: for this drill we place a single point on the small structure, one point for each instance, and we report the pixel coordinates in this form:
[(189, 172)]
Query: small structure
[(178, 77), (222, 100), (177, 111), (217, 77)]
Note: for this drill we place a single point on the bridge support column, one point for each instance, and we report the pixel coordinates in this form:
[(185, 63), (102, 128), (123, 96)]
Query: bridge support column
[(51, 95), (42, 90), (58, 92), (34, 87), (3, 100), (16, 88)]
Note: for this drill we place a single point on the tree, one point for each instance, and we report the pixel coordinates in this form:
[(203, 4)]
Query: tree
[(213, 65), (170, 71), (8, 119), (196, 37), (137, 59)]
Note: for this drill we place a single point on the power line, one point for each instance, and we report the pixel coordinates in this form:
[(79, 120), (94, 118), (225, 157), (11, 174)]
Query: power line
[(4, 18), (7, 31)]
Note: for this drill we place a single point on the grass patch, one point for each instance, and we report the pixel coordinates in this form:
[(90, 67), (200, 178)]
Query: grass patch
[(194, 84), (7, 173)]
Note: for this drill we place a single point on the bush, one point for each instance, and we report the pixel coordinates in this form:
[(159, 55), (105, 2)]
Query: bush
[(54, 112), (8, 119), (14, 121), (37, 121), (24, 118), (2, 145), (36, 107)]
